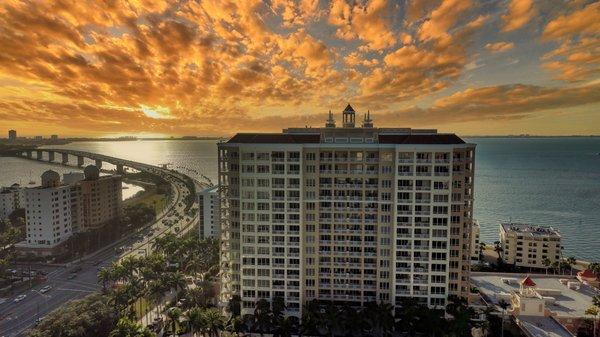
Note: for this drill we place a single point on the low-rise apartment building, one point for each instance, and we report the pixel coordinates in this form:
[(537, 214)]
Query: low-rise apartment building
[(47, 215), (526, 245)]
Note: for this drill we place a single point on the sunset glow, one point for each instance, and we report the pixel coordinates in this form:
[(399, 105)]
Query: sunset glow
[(215, 67)]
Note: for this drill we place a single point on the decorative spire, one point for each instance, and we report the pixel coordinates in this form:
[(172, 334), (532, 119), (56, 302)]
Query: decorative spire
[(330, 121), (368, 122)]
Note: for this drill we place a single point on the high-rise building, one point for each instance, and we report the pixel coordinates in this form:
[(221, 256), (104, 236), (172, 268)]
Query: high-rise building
[(526, 245), (12, 135), (48, 214), (100, 198), (345, 214), (208, 213)]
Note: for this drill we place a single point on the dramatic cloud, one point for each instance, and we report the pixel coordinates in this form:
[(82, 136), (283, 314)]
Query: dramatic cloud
[(367, 22), (578, 56), (220, 66), (519, 13)]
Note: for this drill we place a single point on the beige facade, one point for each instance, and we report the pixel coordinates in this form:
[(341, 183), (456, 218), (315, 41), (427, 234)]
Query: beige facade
[(528, 246), (349, 215), (99, 199)]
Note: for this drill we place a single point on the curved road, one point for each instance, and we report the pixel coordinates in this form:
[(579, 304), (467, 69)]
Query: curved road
[(16, 317)]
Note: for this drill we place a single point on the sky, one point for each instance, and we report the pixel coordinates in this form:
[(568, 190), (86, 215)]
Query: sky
[(216, 67)]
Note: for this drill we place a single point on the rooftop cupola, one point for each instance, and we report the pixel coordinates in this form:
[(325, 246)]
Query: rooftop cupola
[(330, 121), (368, 122), (349, 117)]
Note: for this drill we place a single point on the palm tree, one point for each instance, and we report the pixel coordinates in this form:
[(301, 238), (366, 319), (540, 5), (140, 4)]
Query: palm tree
[(332, 319), (547, 263), (176, 281), (105, 276), (379, 318), (482, 248), (503, 305), (498, 249), (571, 260), (262, 315), (286, 326), (128, 328), (173, 315), (195, 321), (215, 321), (311, 318)]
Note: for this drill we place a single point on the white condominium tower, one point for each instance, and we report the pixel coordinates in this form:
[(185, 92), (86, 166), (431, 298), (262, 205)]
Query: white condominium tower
[(345, 214)]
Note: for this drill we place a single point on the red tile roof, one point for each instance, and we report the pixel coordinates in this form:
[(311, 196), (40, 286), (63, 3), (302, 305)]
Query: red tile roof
[(528, 282), (587, 274)]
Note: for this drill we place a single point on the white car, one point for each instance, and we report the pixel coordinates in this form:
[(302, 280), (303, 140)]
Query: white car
[(19, 298), (45, 289)]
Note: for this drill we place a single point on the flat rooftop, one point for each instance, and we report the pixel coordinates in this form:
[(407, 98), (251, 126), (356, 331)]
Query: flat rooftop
[(570, 302), (543, 327), (528, 229)]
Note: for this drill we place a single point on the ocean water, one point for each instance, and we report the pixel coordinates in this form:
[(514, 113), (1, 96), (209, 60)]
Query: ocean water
[(547, 181)]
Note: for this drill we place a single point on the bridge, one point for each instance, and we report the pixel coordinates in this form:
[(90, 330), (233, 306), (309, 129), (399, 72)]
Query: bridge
[(50, 155)]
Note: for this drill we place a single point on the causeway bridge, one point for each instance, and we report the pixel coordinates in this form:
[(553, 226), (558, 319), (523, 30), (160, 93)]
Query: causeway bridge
[(63, 156)]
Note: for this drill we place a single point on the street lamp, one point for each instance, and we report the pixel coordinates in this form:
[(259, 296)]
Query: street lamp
[(38, 305)]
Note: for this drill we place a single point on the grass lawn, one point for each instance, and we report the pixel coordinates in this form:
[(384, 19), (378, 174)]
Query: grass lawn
[(149, 197)]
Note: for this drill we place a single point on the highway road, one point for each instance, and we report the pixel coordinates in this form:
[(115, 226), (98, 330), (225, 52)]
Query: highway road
[(17, 317)]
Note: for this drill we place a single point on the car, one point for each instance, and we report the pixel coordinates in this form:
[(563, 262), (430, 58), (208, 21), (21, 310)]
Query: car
[(19, 298), (38, 321), (45, 289), (72, 276)]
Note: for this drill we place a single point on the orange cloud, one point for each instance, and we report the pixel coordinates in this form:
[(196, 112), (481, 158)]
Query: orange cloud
[(367, 22), (577, 58), (583, 21), (519, 13), (499, 46)]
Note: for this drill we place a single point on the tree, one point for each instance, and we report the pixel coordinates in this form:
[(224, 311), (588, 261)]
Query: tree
[(379, 318), (504, 306), (311, 318), (547, 263), (90, 316), (571, 260), (173, 315), (482, 247), (595, 267), (234, 306), (128, 328), (195, 321), (332, 320), (286, 326), (262, 315), (214, 320)]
